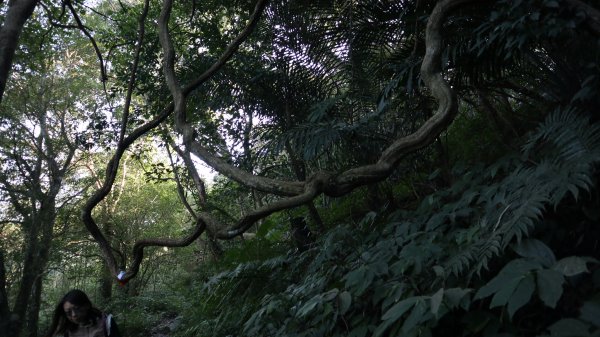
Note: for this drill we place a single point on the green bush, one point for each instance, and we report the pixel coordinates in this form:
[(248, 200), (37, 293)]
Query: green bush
[(472, 260)]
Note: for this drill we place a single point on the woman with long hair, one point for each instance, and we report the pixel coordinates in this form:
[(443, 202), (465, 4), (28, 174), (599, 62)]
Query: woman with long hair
[(75, 316)]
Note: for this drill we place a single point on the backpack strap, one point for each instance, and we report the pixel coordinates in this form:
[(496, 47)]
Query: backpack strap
[(106, 322), (107, 325)]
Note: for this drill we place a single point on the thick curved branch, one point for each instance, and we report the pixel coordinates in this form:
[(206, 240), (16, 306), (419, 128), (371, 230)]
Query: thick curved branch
[(431, 73), (16, 16), (278, 187), (104, 190), (342, 183), (231, 48), (312, 190), (138, 248), (302, 193), (179, 95), (189, 163), (180, 190), (113, 164)]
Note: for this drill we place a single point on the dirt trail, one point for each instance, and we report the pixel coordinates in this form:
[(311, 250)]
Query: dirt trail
[(165, 327)]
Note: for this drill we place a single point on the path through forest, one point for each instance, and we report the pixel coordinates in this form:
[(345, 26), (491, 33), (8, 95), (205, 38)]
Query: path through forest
[(165, 327)]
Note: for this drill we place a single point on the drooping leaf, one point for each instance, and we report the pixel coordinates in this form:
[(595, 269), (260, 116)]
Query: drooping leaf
[(399, 309), (394, 313), (507, 279), (590, 312), (569, 327), (418, 314), (536, 249), (571, 265), (454, 297), (344, 301), (436, 301), (521, 295), (503, 295), (549, 285)]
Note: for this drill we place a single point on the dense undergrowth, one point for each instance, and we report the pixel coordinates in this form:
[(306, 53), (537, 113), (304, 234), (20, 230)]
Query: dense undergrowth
[(509, 249)]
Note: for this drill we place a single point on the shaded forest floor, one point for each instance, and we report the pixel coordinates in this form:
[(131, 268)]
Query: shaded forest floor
[(165, 327)]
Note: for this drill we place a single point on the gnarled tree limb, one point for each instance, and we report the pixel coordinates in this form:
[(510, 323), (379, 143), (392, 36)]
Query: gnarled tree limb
[(334, 185), (298, 193), (16, 16), (112, 166)]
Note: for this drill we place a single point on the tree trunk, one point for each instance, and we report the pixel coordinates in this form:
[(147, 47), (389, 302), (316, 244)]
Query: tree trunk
[(105, 284), (28, 277), (14, 20), (300, 170), (37, 252), (5, 319), (33, 310)]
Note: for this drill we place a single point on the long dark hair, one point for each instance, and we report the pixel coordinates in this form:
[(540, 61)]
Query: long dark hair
[(60, 323)]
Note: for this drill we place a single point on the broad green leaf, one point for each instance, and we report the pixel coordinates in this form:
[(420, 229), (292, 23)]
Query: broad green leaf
[(514, 270), (344, 302), (399, 308), (503, 294), (360, 331), (381, 328), (536, 249), (549, 284), (394, 293), (394, 313), (310, 305), (522, 295), (571, 265), (436, 301), (416, 316), (330, 295), (569, 327), (590, 312), (359, 279), (454, 296)]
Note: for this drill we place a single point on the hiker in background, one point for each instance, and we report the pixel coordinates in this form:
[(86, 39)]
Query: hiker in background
[(75, 316)]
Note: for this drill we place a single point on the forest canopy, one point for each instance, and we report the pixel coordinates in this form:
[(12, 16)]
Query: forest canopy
[(382, 168)]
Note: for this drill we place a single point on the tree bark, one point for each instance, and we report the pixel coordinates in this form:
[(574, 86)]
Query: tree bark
[(33, 310), (37, 252), (16, 16), (298, 193), (5, 319), (106, 282)]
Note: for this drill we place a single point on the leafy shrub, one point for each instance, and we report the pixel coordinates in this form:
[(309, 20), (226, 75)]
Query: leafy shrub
[(471, 260)]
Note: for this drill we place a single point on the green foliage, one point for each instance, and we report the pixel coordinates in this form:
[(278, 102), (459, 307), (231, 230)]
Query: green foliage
[(326, 85), (444, 268)]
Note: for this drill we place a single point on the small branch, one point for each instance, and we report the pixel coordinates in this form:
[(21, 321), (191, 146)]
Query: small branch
[(313, 189), (51, 19), (134, 68), (138, 248), (189, 163), (103, 75), (180, 190), (231, 48)]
